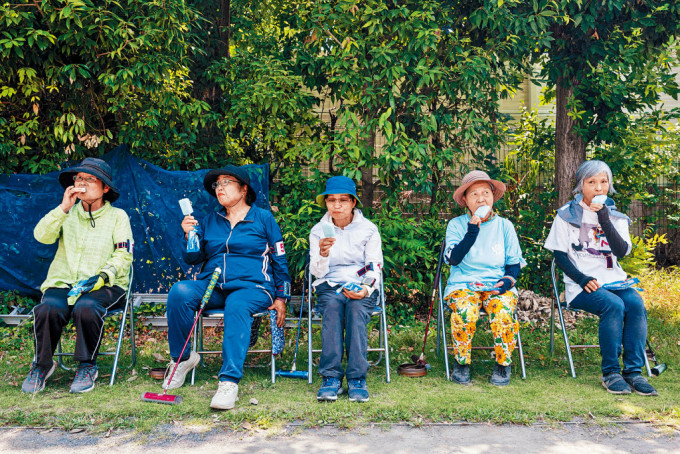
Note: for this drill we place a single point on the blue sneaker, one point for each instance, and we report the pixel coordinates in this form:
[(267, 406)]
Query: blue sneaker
[(358, 392), (330, 388), (86, 375)]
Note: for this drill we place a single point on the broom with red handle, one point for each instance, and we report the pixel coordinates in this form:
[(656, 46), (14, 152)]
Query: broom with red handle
[(166, 398)]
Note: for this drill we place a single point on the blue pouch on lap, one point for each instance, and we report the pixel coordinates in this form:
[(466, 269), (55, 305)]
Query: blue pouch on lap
[(622, 285), (481, 286), (350, 286)]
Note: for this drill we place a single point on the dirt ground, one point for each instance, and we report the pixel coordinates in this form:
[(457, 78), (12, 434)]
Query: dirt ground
[(576, 437)]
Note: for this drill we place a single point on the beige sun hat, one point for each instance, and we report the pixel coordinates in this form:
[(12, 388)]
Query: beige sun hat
[(477, 176)]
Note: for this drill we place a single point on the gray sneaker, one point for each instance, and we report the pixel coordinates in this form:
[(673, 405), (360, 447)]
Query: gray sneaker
[(37, 376), (86, 374), (500, 375), (460, 373)]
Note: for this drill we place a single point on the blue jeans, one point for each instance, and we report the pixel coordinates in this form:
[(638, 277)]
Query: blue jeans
[(343, 329), (623, 323), (239, 305)]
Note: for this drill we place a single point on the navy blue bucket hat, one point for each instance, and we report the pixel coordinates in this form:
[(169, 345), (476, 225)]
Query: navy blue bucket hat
[(95, 167), (237, 172), (338, 185)]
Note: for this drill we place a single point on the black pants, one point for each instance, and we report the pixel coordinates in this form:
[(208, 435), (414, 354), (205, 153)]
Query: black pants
[(53, 313)]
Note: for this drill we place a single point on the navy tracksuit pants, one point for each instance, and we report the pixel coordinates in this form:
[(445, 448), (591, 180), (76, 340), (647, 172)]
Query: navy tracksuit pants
[(239, 305)]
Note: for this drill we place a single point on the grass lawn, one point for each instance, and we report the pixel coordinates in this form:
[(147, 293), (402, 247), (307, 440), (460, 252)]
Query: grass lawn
[(548, 394)]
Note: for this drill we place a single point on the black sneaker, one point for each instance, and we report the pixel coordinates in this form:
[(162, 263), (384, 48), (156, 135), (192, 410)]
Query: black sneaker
[(640, 384), (37, 376), (460, 373), (84, 379), (501, 375), (614, 383)]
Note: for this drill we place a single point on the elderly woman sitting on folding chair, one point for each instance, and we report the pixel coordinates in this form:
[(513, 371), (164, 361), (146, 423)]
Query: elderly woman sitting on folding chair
[(88, 276), (485, 258), (246, 243), (346, 257), (587, 237)]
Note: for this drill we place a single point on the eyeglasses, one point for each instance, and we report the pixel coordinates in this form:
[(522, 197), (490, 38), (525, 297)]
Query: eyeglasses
[(342, 201), (222, 183), (88, 180)]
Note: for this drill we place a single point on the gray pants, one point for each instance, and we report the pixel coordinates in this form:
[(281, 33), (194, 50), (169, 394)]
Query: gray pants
[(343, 330)]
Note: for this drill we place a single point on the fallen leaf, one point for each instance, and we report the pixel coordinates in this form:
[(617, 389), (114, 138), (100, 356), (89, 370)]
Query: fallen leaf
[(76, 430), (159, 357), (108, 433), (247, 426), (134, 377), (253, 401)]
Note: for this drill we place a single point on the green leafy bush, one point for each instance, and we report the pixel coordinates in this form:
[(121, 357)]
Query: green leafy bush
[(641, 258)]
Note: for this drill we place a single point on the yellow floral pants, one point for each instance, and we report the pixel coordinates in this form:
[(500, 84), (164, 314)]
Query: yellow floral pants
[(465, 305)]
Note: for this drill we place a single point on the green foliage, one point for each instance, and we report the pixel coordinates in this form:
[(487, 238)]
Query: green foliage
[(10, 300), (641, 258), (74, 75), (528, 172), (396, 73)]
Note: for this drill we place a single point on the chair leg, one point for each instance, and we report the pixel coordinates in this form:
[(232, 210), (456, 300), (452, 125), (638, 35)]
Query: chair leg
[(197, 344), (552, 329), (121, 333), (273, 369), (439, 317), (566, 340), (444, 342), (309, 338), (383, 326), (60, 357), (649, 369), (133, 341), (521, 355)]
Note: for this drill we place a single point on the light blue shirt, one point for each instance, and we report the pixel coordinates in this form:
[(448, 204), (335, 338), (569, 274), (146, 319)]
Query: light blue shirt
[(496, 246)]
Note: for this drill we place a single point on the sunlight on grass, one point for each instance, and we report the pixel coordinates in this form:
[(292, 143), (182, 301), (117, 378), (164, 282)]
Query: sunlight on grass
[(548, 394)]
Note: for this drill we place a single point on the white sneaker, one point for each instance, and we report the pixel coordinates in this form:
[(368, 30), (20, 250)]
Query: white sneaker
[(225, 397), (181, 373)]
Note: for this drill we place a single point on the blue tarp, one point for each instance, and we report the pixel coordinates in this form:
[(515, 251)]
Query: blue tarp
[(149, 195)]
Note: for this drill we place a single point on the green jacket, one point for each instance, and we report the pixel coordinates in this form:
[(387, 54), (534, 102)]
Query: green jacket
[(85, 251)]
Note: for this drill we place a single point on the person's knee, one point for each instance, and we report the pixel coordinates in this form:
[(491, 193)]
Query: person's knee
[(613, 307), (635, 305), (180, 297), (48, 309), (87, 310)]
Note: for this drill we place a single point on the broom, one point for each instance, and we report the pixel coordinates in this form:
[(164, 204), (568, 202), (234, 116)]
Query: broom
[(292, 373), (166, 398)]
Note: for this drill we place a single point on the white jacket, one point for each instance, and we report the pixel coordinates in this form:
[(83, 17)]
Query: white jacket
[(357, 245)]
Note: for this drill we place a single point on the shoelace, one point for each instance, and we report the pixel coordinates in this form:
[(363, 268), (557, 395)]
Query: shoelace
[(86, 371)]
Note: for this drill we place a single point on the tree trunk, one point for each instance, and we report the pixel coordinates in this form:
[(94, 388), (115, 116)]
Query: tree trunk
[(224, 27), (570, 148), (367, 183)]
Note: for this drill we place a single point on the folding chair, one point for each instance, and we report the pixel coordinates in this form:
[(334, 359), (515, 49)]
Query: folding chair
[(562, 305), (128, 308), (197, 343), (441, 322), (314, 318)]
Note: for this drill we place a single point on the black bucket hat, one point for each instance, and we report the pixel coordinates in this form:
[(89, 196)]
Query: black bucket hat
[(237, 172), (95, 167)]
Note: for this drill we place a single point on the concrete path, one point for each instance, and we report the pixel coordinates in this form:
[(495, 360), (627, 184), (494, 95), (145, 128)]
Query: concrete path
[(570, 438)]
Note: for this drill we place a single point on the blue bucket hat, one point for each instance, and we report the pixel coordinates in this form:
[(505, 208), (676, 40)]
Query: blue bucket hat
[(95, 167), (338, 185), (237, 172)]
